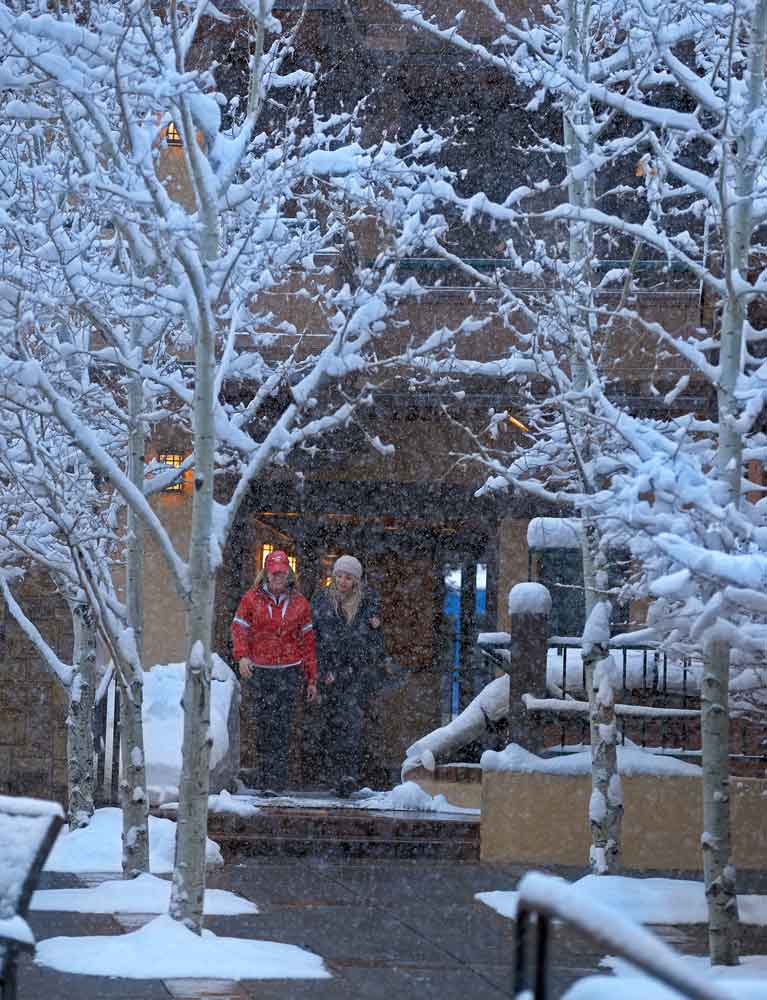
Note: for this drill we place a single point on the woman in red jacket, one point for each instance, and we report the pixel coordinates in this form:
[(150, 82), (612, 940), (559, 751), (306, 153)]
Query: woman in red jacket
[(273, 640)]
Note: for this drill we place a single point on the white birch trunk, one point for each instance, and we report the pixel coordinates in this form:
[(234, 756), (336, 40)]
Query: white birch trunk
[(134, 800), (188, 889), (189, 872), (606, 805), (718, 871), (605, 852), (82, 691)]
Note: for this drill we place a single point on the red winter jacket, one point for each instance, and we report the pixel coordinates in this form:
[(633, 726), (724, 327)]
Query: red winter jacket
[(275, 633)]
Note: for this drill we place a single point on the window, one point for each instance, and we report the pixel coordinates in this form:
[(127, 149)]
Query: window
[(173, 460), (172, 136)]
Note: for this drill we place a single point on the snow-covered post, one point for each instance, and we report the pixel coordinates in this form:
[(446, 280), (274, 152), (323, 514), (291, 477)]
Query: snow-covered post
[(606, 805), (718, 872), (529, 611)]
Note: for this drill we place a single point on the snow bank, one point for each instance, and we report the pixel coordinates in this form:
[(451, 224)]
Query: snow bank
[(98, 848), (744, 982), (615, 931), (631, 760), (165, 949), (164, 722), (645, 900), (145, 894)]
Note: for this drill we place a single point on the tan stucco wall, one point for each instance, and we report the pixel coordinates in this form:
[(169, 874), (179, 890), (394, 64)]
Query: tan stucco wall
[(164, 620), (543, 818), (512, 563)]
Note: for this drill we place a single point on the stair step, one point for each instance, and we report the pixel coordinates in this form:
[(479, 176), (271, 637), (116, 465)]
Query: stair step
[(371, 848), (336, 833)]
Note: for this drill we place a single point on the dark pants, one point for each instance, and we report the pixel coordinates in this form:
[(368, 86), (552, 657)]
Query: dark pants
[(269, 698), (340, 735)]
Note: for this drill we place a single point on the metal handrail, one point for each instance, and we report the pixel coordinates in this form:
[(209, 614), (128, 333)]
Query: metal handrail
[(545, 898)]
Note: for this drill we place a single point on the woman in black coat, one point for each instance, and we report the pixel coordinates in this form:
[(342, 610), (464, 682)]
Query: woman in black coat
[(350, 647)]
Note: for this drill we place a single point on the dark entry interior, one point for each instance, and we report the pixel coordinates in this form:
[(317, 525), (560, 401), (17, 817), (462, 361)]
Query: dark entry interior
[(404, 559)]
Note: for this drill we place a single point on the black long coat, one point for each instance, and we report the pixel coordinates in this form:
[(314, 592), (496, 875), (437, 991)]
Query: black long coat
[(351, 651)]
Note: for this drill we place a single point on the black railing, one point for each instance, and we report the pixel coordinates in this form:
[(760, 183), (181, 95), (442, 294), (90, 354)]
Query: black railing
[(662, 696), (543, 898)]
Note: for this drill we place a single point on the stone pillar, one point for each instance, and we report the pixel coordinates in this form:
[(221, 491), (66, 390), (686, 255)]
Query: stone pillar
[(529, 614)]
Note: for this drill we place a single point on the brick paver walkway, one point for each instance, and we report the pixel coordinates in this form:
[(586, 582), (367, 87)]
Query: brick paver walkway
[(387, 930)]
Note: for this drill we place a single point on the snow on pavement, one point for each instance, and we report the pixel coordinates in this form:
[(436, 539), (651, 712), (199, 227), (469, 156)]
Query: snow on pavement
[(645, 900), (747, 981), (165, 949), (145, 894)]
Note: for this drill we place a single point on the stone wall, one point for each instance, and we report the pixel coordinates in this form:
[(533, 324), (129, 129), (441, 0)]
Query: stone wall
[(32, 705)]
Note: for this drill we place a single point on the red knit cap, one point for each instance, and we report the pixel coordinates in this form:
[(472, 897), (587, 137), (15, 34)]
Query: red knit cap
[(277, 562)]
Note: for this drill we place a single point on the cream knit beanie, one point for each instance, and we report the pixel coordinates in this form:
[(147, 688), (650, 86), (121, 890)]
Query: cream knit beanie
[(348, 564)]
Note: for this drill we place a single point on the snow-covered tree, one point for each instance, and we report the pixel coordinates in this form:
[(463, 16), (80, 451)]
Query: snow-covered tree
[(170, 259), (685, 81), (55, 520), (559, 355)]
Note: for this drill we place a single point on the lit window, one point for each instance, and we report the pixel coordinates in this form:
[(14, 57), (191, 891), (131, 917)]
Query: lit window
[(173, 461), (172, 136), (266, 549)]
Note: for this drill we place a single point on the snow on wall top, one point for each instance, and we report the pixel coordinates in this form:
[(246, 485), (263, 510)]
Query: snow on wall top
[(554, 533), (529, 599), (631, 760)]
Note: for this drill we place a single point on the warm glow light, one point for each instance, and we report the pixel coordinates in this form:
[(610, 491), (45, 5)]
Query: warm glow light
[(172, 136), (517, 423), (173, 460), (267, 548)]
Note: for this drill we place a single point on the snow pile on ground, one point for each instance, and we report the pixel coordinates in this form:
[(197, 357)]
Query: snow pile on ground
[(98, 846), (16, 929), (617, 933), (164, 722), (410, 796), (747, 981), (165, 949), (145, 894), (631, 760), (645, 900)]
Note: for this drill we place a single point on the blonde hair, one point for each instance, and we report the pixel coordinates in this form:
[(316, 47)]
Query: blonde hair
[(350, 604)]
